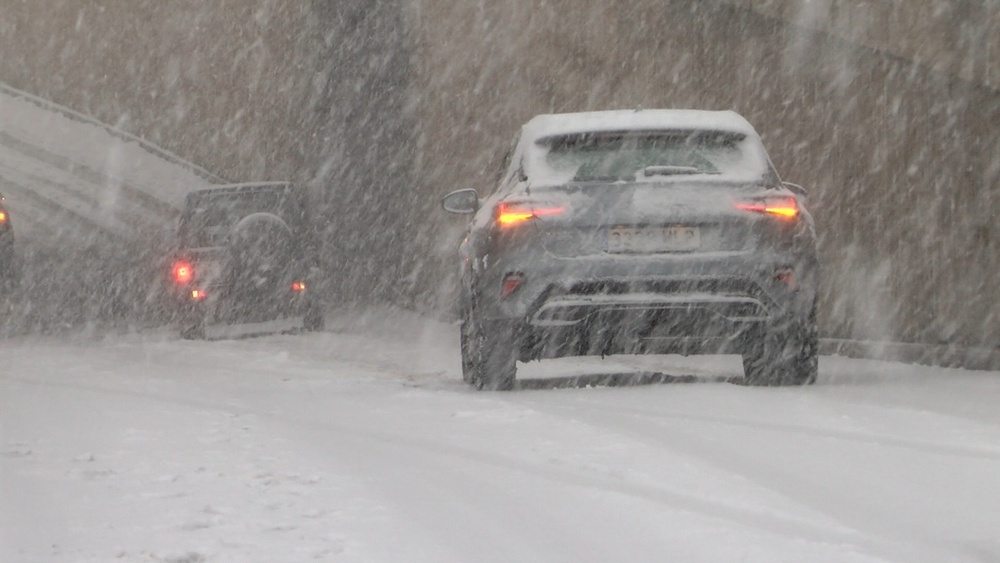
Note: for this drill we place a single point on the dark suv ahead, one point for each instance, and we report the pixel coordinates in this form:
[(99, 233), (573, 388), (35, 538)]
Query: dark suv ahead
[(638, 232), (8, 266), (246, 258)]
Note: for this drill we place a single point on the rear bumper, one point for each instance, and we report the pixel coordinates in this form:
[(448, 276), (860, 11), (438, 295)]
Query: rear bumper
[(237, 330), (613, 280), (614, 336), (734, 300), (676, 305), (565, 324), (219, 305)]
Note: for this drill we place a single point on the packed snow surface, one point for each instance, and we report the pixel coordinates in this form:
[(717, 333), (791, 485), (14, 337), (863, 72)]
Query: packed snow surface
[(363, 444)]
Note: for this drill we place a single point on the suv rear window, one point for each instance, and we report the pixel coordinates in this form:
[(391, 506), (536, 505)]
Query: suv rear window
[(624, 155)]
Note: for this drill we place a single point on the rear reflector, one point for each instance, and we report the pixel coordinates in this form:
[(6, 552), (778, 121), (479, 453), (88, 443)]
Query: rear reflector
[(787, 277), (511, 283)]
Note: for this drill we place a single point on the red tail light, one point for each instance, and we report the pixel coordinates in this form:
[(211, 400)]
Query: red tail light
[(198, 294), (785, 207), (787, 276), (513, 213), (183, 272), (299, 286), (3, 217)]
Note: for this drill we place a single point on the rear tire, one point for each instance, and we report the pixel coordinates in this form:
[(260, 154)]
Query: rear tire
[(193, 331), (467, 343), (314, 320), (494, 364), (784, 356)]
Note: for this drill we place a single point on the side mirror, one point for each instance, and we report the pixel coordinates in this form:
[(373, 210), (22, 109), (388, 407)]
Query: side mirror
[(797, 189), (461, 201)]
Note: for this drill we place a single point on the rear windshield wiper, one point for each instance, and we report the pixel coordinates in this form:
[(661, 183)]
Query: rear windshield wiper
[(673, 171)]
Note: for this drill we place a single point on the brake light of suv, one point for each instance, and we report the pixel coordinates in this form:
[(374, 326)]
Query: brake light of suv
[(512, 213), (783, 207), (183, 272)]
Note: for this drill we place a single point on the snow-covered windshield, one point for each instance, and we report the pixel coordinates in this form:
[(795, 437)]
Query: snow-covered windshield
[(645, 155)]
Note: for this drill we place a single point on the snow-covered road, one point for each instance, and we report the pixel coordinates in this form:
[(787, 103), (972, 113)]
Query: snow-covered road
[(362, 444)]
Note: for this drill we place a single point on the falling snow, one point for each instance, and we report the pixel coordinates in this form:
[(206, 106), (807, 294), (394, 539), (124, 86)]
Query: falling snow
[(121, 442)]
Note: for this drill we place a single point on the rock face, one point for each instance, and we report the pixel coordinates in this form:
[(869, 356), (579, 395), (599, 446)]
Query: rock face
[(956, 38), (383, 106)]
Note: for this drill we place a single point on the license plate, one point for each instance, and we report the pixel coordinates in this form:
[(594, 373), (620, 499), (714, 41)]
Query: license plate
[(653, 239)]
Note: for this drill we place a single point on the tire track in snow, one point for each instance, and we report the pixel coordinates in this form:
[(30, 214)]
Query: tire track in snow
[(56, 193), (33, 174), (688, 435), (77, 189), (378, 448), (55, 213), (819, 433), (66, 164)]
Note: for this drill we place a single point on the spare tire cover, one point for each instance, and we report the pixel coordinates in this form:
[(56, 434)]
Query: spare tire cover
[(261, 246)]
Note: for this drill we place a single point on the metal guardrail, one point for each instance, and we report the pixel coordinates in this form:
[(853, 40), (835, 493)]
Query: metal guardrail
[(146, 145)]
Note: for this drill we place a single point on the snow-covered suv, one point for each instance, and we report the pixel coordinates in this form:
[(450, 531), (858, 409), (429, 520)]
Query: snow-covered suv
[(8, 267), (635, 232), (245, 258)]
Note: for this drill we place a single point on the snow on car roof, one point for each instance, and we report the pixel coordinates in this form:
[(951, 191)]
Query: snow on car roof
[(249, 184), (547, 125)]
